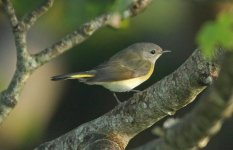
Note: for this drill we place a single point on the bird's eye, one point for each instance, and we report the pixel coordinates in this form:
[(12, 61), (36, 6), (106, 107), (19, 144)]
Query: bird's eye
[(152, 51)]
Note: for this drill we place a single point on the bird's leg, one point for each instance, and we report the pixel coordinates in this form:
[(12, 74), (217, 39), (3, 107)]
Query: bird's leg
[(115, 96)]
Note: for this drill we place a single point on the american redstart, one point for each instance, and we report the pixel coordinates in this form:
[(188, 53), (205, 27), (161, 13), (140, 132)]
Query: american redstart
[(123, 71)]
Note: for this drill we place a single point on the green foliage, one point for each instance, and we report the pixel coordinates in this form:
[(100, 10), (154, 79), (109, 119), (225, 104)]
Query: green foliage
[(216, 33)]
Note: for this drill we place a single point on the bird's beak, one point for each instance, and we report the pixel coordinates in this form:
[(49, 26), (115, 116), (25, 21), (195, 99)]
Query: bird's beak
[(166, 51)]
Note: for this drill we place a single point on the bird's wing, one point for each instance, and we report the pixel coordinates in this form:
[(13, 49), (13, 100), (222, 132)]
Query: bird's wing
[(121, 68)]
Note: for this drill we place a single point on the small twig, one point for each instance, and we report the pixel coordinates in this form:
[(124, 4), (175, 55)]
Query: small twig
[(30, 18), (10, 11)]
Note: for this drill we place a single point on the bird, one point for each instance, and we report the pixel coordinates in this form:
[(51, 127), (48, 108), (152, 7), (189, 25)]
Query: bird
[(124, 71)]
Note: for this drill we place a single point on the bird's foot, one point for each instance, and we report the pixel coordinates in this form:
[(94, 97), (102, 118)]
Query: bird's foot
[(117, 99)]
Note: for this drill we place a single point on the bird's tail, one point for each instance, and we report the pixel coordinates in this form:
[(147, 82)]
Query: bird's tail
[(79, 75)]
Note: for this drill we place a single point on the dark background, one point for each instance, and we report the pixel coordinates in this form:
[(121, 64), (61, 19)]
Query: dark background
[(48, 109)]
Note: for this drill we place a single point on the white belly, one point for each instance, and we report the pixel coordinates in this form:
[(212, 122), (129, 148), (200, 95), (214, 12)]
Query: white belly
[(122, 86), (126, 85)]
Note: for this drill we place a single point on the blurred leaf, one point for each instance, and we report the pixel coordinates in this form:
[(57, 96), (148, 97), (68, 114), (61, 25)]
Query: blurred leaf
[(125, 23), (117, 22), (216, 33)]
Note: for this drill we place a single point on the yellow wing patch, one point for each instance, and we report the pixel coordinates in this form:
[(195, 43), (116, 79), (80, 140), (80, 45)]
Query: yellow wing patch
[(82, 76)]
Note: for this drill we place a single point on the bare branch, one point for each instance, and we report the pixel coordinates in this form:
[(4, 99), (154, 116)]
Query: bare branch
[(24, 65), (85, 31), (10, 97), (142, 110), (10, 11), (196, 128), (33, 16)]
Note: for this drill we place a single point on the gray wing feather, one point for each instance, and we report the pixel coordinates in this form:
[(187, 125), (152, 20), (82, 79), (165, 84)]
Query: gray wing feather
[(122, 66)]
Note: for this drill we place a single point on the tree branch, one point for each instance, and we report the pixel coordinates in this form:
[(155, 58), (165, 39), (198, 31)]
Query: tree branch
[(27, 63), (143, 109), (196, 128), (10, 97)]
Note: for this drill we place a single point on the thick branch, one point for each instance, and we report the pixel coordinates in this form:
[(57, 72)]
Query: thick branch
[(196, 128), (143, 109)]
